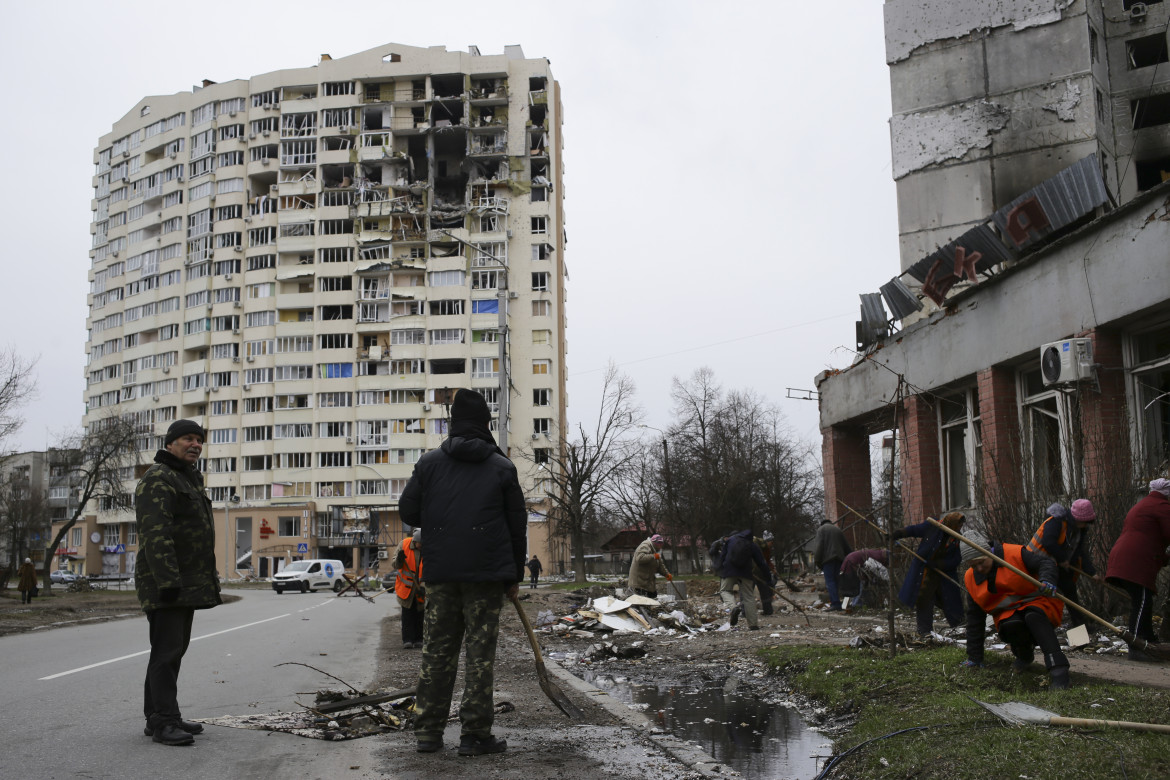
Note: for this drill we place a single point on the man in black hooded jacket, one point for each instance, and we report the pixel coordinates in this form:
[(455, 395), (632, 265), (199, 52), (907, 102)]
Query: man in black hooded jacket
[(467, 499)]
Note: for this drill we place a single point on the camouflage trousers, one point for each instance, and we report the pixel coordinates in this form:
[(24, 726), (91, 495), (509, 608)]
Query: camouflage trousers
[(458, 614)]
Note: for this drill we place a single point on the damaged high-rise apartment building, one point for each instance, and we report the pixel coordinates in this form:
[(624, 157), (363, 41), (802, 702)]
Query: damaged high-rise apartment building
[(308, 262), (1022, 350)]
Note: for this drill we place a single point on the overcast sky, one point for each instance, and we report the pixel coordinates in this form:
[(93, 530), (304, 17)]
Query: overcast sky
[(727, 170)]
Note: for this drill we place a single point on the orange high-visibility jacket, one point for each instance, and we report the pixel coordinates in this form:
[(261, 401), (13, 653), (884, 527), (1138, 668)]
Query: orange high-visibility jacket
[(407, 581), (1012, 592)]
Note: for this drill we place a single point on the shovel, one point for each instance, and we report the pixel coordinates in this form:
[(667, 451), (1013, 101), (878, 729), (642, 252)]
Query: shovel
[(1018, 713), (1135, 641), (555, 694)]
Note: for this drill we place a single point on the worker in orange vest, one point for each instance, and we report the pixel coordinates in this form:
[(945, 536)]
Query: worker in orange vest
[(1025, 616), (408, 588)]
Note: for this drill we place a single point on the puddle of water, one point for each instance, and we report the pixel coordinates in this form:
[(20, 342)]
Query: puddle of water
[(761, 741)]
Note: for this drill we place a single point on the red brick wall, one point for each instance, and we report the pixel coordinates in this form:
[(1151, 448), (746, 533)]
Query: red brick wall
[(921, 478), (845, 455), (1000, 420), (1104, 420)]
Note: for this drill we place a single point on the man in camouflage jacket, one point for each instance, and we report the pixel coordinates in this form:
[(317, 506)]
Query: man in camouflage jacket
[(175, 572), (466, 498)]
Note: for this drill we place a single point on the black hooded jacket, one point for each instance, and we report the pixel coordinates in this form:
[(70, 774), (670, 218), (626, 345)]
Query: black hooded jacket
[(466, 497)]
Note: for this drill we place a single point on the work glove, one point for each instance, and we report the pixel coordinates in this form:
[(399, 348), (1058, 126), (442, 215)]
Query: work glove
[(669, 577), (969, 664), (168, 595), (1047, 589), (657, 556)]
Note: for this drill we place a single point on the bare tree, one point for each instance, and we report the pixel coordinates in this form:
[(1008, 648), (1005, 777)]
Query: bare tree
[(96, 459), (580, 469), (17, 387), (24, 516)]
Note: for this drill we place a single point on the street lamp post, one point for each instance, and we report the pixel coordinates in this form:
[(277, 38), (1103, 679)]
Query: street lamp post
[(227, 534)]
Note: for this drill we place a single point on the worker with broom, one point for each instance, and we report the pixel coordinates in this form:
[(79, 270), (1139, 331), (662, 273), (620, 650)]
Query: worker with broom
[(930, 582), (1064, 537), (466, 498), (1024, 615)]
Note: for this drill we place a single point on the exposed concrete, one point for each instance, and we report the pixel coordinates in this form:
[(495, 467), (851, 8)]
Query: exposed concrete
[(1112, 269), (942, 197), (929, 138), (914, 23)]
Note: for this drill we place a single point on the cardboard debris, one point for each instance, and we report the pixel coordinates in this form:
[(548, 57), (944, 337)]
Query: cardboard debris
[(607, 604)]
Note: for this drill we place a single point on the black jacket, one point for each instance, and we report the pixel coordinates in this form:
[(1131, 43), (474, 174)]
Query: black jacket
[(467, 499)]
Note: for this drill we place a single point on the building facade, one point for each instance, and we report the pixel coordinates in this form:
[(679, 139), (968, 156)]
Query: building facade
[(309, 262), (1026, 356)]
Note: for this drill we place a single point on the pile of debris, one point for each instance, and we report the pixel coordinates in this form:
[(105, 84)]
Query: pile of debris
[(335, 715)]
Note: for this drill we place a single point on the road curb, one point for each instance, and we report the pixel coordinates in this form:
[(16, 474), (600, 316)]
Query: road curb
[(680, 750)]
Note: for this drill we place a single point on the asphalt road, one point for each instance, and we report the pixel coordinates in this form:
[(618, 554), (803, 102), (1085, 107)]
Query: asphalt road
[(71, 698)]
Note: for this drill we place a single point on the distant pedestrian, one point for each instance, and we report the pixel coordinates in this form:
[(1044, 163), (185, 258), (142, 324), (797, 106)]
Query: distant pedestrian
[(1024, 615), (933, 582), (831, 549), (534, 569), (27, 582), (409, 589), (175, 574), (1064, 537), (1137, 556), (740, 554), (646, 564), (466, 498)]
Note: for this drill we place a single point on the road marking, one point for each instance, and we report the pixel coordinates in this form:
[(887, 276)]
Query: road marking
[(145, 652)]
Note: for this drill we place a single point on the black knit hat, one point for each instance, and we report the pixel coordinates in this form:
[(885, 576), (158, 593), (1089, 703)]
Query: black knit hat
[(470, 406), (182, 428)]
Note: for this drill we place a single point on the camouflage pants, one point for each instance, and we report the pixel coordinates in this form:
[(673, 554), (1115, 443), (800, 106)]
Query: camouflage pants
[(458, 614)]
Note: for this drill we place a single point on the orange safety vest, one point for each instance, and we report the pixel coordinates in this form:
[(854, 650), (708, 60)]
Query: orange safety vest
[(1036, 547), (1012, 592), (409, 576)]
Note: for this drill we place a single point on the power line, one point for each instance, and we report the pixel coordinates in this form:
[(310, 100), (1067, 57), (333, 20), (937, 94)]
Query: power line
[(714, 344)]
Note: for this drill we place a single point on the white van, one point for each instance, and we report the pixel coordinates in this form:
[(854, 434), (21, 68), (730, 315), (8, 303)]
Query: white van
[(310, 575)]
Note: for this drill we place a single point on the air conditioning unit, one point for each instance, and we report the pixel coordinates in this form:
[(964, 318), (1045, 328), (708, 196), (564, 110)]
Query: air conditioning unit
[(235, 360), (236, 331), (154, 398), (115, 254), (267, 106), (247, 386), (349, 440), (247, 219), (251, 136), (266, 133), (179, 179), (265, 160), (535, 436), (231, 113), (235, 304), (344, 128), (125, 179), (239, 248), (227, 277), (1070, 360), (166, 369), (1137, 12), (251, 358), (513, 295), (426, 407), (384, 554), (174, 155)]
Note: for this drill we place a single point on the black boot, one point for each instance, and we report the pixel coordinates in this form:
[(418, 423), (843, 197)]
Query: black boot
[(1057, 671)]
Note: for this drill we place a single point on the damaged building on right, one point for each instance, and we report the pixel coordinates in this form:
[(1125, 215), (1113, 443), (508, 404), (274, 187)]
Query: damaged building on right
[(1022, 352)]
